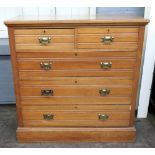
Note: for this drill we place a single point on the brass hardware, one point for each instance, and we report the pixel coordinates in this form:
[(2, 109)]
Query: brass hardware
[(106, 65), (46, 65), (47, 92), (48, 117), (44, 40), (103, 117), (107, 39), (104, 92)]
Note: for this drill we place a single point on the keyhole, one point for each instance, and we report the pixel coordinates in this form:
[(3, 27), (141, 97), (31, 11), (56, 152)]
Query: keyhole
[(76, 107), (75, 81), (75, 54), (44, 31), (108, 30)]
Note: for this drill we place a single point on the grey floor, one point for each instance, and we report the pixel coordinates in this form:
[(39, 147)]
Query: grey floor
[(8, 125)]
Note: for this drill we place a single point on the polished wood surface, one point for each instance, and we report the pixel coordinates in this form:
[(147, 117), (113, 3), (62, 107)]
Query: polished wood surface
[(75, 100), (75, 77), (64, 21), (86, 90), (26, 134), (76, 64)]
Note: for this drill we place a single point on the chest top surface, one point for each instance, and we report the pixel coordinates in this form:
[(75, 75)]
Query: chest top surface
[(75, 21)]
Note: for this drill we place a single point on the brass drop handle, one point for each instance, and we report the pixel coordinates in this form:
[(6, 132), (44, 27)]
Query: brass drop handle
[(106, 65), (107, 39), (48, 117), (46, 65), (47, 92), (103, 117), (44, 40), (104, 92)]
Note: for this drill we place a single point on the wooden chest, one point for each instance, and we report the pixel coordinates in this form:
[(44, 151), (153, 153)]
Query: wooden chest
[(76, 80)]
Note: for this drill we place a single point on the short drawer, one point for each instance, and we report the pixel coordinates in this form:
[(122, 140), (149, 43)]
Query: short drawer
[(38, 116), (26, 39), (87, 90), (107, 38), (76, 64)]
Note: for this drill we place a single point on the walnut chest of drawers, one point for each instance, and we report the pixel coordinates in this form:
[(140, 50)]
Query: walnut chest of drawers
[(76, 80)]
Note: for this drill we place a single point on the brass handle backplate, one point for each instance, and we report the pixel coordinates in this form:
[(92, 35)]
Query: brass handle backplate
[(103, 117), (47, 92), (107, 39), (48, 117), (44, 40), (106, 65), (104, 92), (46, 65)]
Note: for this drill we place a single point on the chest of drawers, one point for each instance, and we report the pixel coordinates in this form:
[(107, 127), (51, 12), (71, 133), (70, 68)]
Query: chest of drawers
[(76, 80)]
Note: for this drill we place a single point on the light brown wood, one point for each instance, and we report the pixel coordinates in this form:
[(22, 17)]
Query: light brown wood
[(15, 75), (76, 64), (113, 45), (76, 77), (76, 134), (105, 30), (137, 74), (74, 123), (76, 108), (39, 75), (33, 40), (45, 31), (75, 100), (51, 46), (78, 81), (97, 38), (86, 90), (75, 116), (75, 54)]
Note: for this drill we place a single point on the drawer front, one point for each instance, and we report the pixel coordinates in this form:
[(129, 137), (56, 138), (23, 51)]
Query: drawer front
[(85, 64), (64, 100), (76, 54), (44, 39), (78, 81), (46, 75), (108, 38), (105, 30), (88, 90), (77, 108), (74, 118)]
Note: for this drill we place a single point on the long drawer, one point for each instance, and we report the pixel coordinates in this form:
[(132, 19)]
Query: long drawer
[(79, 81), (75, 54), (75, 100), (86, 90), (73, 64), (47, 116), (46, 75)]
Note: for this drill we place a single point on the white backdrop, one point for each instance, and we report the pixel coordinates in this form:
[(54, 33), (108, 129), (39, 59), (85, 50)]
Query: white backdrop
[(7, 13)]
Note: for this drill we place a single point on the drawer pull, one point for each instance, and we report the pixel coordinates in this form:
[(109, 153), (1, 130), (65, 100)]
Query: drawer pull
[(103, 117), (106, 65), (47, 92), (48, 117), (104, 92), (107, 39), (44, 40), (46, 65)]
